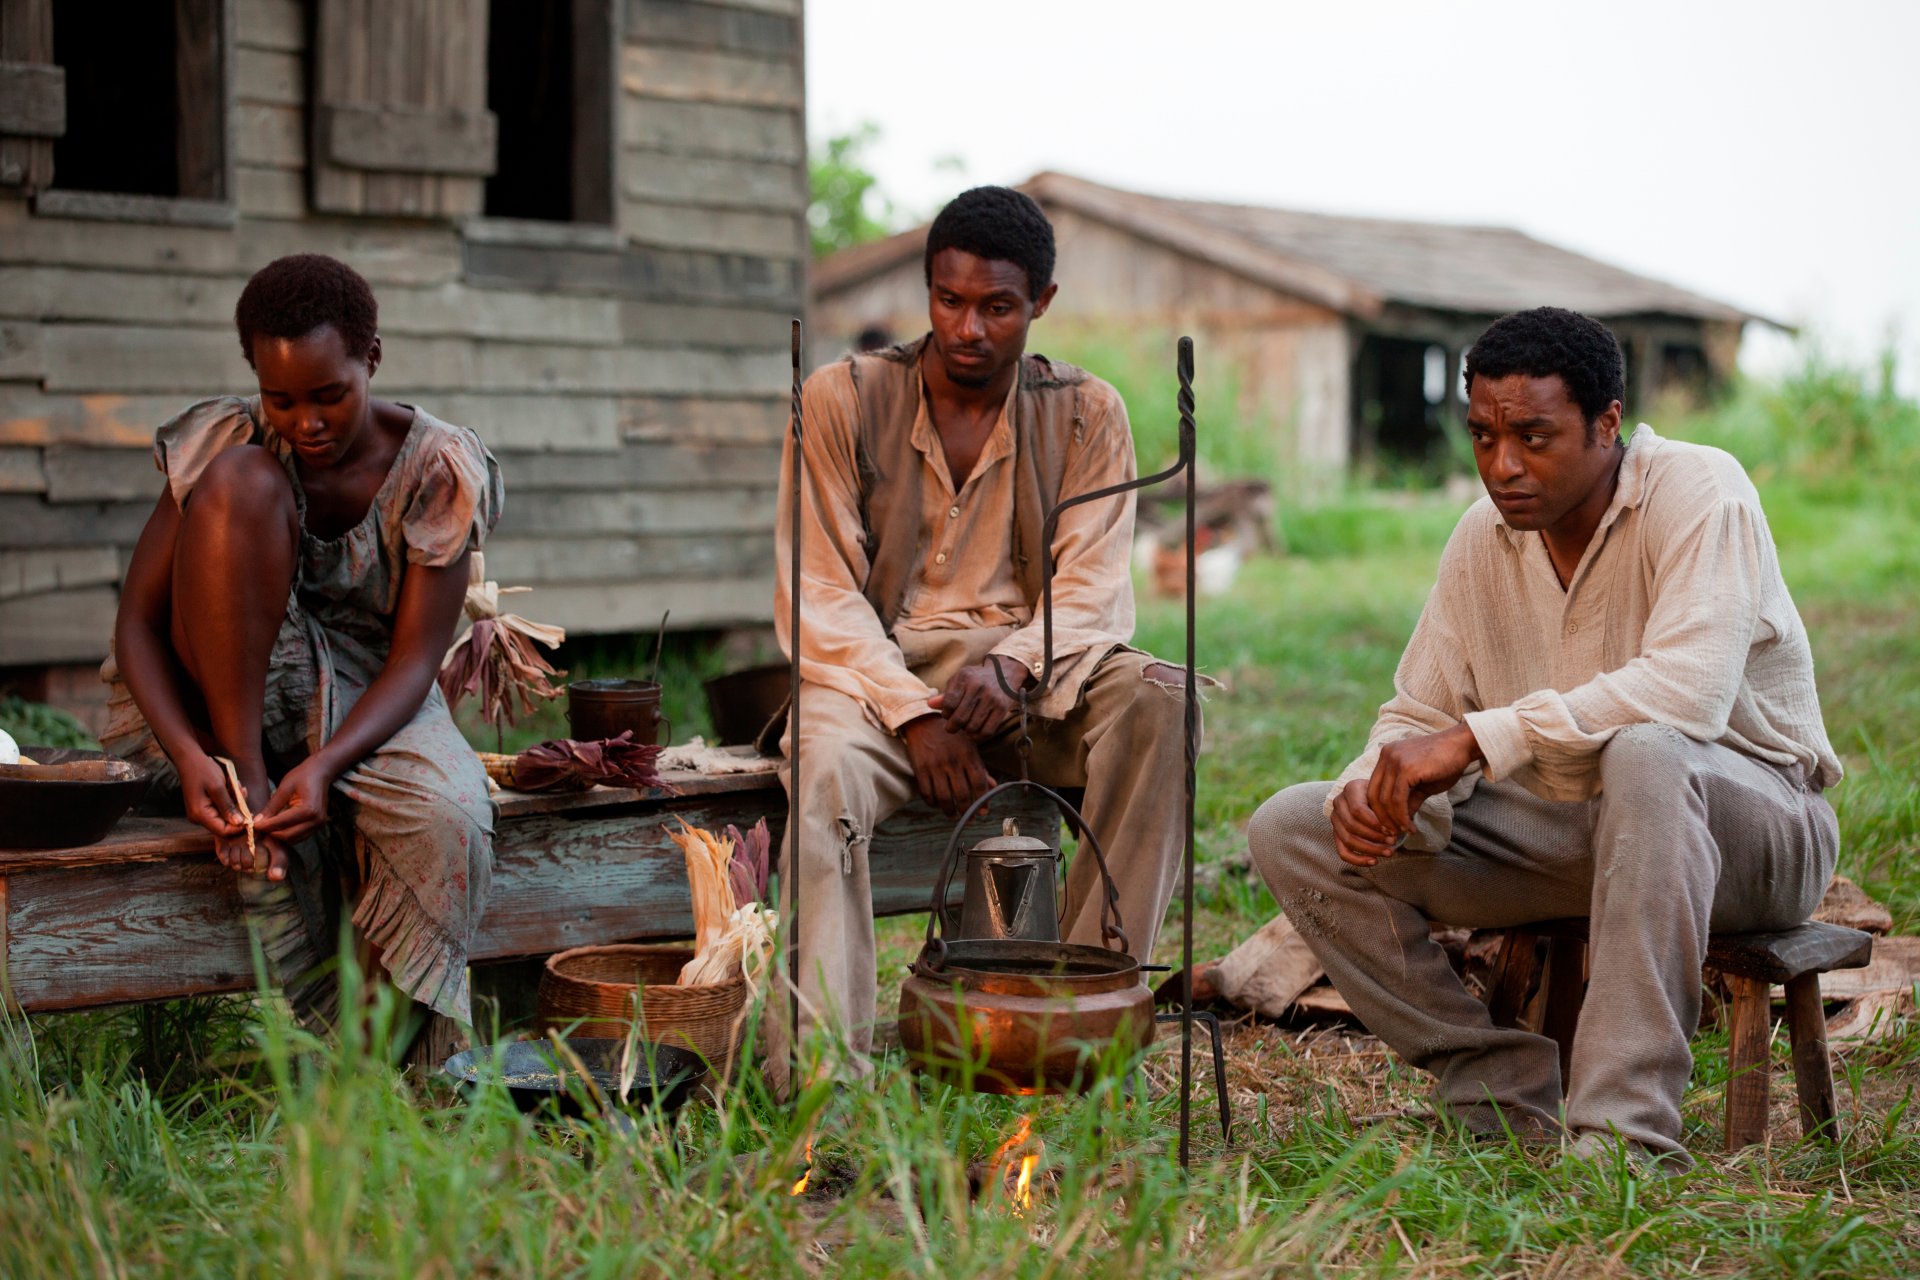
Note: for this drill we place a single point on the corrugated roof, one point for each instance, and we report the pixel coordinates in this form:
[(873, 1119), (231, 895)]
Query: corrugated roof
[(1354, 265)]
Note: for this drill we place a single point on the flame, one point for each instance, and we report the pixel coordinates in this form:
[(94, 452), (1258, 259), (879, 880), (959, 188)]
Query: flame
[(1023, 1189), (799, 1187), (1021, 1176)]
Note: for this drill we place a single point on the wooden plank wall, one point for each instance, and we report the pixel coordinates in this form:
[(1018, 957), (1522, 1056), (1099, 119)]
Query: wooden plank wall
[(633, 383)]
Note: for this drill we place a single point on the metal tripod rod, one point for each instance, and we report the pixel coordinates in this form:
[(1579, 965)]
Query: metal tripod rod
[(793, 731), (1188, 448)]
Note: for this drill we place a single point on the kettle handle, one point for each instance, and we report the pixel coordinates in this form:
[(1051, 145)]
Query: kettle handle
[(933, 952)]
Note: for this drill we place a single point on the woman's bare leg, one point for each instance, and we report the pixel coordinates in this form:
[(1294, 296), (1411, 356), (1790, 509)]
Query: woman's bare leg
[(233, 564)]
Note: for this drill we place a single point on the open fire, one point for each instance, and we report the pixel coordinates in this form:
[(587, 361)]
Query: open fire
[(799, 1187), (1016, 1175)]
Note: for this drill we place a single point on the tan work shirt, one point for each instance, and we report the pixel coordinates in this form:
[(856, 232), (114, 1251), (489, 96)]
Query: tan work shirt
[(964, 579), (1676, 615)]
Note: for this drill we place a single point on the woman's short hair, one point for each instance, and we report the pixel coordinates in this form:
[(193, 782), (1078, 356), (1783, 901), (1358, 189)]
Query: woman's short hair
[(290, 297)]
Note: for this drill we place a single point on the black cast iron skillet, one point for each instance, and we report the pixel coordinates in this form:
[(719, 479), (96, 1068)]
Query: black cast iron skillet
[(537, 1076)]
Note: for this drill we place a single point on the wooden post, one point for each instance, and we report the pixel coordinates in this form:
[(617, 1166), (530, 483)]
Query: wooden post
[(1812, 1069), (1566, 991), (1513, 978), (1750, 1031)]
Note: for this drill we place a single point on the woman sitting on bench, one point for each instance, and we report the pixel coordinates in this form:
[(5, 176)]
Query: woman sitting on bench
[(287, 608)]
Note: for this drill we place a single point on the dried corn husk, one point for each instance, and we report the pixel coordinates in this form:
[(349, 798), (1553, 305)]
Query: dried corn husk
[(752, 861), (729, 937), (566, 763), (496, 658), (713, 904)]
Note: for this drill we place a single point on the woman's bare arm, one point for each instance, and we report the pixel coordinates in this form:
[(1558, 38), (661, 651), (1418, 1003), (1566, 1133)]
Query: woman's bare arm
[(143, 647), (429, 608)]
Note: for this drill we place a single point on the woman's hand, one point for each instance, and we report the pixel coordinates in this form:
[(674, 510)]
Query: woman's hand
[(299, 803), (209, 801)]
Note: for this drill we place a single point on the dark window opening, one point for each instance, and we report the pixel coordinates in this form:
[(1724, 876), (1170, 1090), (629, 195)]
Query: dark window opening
[(1400, 399), (123, 99), (1683, 365), (530, 90)]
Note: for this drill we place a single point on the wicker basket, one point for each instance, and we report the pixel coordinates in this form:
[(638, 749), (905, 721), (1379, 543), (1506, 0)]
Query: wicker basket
[(597, 984)]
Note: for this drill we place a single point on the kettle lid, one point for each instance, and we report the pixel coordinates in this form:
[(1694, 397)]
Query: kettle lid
[(1011, 841)]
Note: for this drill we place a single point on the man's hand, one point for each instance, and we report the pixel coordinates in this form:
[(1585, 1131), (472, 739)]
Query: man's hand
[(947, 769), (1359, 837), (1412, 769), (973, 702)]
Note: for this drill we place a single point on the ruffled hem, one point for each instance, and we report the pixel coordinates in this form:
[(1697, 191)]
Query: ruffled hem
[(420, 957)]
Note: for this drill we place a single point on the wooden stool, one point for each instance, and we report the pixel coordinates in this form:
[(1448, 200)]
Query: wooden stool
[(1752, 964)]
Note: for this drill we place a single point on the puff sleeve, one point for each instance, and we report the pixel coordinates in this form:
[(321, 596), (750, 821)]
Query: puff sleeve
[(184, 446), (455, 500)]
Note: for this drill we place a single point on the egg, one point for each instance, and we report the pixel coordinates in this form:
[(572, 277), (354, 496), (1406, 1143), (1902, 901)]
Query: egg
[(9, 749)]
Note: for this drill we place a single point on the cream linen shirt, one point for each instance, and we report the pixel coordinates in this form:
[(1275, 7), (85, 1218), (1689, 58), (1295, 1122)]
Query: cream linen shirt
[(964, 579), (1676, 615)]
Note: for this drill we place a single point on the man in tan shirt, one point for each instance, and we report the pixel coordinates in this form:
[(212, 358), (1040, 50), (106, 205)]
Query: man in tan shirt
[(930, 469), (1608, 710)]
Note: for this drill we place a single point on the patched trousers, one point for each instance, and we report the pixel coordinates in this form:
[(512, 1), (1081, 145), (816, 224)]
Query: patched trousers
[(1685, 837), (1123, 742)]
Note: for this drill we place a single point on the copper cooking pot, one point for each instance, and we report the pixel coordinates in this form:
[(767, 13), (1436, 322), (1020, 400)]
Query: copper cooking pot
[(1021, 1016)]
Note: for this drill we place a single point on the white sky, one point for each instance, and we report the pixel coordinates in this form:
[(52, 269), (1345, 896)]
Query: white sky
[(1764, 153)]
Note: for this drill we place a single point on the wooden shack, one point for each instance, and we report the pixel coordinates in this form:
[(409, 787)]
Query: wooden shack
[(1344, 334), (584, 220)]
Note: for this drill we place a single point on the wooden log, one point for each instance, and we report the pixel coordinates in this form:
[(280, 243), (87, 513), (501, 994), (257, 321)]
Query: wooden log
[(270, 193), (658, 275), (25, 573), (32, 522), (133, 930), (270, 136), (33, 99), (276, 77), (58, 626), (728, 510), (645, 464), (1778, 957), (713, 26), (21, 355), (711, 129), (26, 238), (713, 182), (272, 24), (695, 75), (102, 475), (671, 556), (1749, 1069), (741, 231), (1812, 1068), (21, 470), (704, 419)]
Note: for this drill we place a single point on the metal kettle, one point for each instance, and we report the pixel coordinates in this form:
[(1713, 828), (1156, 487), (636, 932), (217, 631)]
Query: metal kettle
[(1010, 888)]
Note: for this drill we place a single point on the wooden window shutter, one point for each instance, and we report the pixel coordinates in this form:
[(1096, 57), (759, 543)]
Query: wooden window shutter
[(400, 120), (33, 94)]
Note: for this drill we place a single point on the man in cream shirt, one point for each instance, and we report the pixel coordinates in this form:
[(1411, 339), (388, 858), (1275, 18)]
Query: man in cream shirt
[(1607, 710)]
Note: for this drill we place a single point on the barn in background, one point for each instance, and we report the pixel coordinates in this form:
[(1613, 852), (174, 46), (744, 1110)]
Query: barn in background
[(1344, 334), (584, 220)]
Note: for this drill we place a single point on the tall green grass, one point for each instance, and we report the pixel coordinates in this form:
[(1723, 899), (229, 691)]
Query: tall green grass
[(217, 1139)]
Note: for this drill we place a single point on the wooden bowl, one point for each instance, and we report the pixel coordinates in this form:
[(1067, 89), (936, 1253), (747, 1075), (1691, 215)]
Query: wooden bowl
[(68, 797)]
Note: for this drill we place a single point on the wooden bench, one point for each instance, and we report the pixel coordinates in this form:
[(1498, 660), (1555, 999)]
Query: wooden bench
[(147, 914), (1751, 963)]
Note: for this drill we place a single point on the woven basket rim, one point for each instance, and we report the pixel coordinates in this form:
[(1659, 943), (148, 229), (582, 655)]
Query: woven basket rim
[(659, 950)]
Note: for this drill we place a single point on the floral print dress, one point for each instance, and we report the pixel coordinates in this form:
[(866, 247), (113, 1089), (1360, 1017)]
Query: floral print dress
[(409, 840)]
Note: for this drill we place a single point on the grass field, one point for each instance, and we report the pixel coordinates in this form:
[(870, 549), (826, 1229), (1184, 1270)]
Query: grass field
[(211, 1139)]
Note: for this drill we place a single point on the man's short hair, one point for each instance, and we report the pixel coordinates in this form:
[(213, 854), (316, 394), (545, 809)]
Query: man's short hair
[(1553, 340), (996, 222), (290, 297)]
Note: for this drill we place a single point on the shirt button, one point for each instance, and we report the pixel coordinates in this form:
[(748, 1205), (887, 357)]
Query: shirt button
[(941, 558), (953, 512), (1572, 627)]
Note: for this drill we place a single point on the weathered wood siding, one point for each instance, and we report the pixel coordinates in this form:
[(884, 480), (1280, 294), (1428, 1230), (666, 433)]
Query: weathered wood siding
[(632, 381), (1288, 358)]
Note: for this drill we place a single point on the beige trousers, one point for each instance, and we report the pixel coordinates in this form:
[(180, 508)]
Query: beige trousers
[(1123, 742), (1685, 837)]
